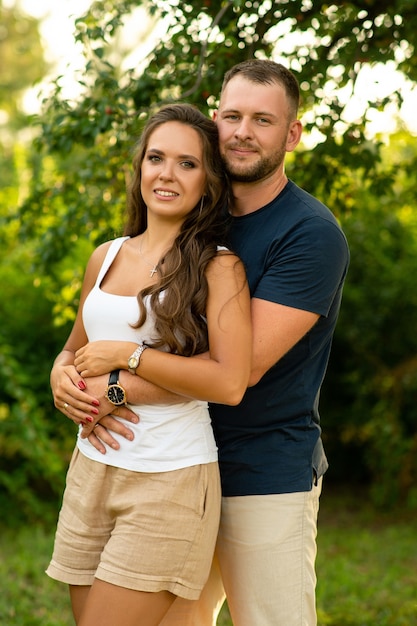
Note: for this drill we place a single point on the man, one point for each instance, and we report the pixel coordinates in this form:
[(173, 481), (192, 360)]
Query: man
[(270, 450)]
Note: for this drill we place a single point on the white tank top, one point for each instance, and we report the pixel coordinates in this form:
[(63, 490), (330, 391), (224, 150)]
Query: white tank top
[(167, 436)]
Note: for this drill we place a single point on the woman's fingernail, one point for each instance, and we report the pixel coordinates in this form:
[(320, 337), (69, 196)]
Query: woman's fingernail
[(81, 385), (95, 402), (89, 419), (95, 411)]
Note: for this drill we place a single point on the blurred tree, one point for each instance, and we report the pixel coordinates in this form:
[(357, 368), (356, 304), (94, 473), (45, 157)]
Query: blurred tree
[(22, 62), (30, 461), (325, 44), (21, 65), (369, 395)]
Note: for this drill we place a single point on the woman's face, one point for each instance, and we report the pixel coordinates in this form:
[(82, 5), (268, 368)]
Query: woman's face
[(173, 178)]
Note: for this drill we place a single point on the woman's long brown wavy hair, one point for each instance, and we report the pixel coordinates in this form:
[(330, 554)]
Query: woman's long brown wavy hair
[(180, 310)]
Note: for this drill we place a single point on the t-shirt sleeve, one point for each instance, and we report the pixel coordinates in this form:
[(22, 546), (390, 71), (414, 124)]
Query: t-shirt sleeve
[(304, 270)]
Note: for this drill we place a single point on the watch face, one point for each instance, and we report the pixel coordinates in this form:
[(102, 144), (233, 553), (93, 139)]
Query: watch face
[(116, 394), (133, 362)]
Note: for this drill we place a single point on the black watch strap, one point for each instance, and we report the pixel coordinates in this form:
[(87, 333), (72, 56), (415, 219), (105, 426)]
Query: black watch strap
[(114, 377)]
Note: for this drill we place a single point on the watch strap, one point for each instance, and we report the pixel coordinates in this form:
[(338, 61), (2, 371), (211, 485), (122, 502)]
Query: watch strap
[(114, 377)]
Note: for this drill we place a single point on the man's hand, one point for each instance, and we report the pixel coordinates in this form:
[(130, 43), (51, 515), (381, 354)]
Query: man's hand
[(138, 391), (100, 434), (97, 434), (82, 400)]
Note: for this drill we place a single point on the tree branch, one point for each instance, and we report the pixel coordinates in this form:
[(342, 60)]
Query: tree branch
[(203, 51)]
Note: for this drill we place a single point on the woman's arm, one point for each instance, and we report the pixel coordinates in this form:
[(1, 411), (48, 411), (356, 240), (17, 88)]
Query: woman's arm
[(223, 376), (66, 383)]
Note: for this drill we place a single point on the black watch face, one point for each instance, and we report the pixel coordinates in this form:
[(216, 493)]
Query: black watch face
[(115, 394)]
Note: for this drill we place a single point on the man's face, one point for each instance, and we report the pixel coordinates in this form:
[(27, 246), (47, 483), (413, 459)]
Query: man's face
[(253, 123)]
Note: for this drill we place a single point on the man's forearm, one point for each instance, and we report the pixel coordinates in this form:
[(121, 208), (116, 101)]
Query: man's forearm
[(139, 391)]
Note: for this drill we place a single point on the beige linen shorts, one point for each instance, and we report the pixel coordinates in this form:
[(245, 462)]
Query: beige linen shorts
[(143, 531)]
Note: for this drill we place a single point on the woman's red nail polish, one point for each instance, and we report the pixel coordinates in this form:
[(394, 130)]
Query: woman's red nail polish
[(95, 411), (89, 419), (81, 385), (95, 402)]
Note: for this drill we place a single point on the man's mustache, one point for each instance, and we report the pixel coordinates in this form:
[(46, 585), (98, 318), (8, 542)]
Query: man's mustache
[(240, 146)]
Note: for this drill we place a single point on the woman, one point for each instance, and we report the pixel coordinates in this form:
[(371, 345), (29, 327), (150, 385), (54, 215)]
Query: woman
[(138, 525)]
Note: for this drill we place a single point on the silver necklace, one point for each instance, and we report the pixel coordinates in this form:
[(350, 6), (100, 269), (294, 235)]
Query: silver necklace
[(151, 265)]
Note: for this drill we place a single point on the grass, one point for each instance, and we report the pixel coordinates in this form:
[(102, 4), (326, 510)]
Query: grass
[(366, 566)]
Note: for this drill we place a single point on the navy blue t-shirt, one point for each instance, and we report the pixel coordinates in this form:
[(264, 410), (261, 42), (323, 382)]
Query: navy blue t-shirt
[(295, 254)]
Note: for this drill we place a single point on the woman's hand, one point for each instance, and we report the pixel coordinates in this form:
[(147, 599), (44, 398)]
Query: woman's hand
[(68, 390), (100, 357)]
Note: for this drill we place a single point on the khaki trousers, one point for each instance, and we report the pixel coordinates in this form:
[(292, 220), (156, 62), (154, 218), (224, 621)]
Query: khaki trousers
[(266, 552)]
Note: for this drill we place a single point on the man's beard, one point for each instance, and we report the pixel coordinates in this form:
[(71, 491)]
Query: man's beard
[(255, 171)]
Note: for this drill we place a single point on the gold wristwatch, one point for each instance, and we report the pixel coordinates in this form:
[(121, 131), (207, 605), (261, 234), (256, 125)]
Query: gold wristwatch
[(134, 359), (115, 392)]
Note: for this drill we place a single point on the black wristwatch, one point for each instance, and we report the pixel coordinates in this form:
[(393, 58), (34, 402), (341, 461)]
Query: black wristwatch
[(115, 392)]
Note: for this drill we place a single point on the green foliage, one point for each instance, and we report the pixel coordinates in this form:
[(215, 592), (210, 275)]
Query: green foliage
[(34, 442), (369, 397), (22, 60)]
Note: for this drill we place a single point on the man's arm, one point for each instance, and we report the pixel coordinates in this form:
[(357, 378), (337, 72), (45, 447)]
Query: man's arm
[(83, 401), (276, 329), (138, 391)]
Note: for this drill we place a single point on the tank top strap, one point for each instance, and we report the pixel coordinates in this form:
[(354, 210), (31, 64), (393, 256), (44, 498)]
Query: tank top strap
[(114, 248)]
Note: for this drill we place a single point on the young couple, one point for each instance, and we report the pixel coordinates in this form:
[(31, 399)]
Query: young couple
[(166, 325)]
